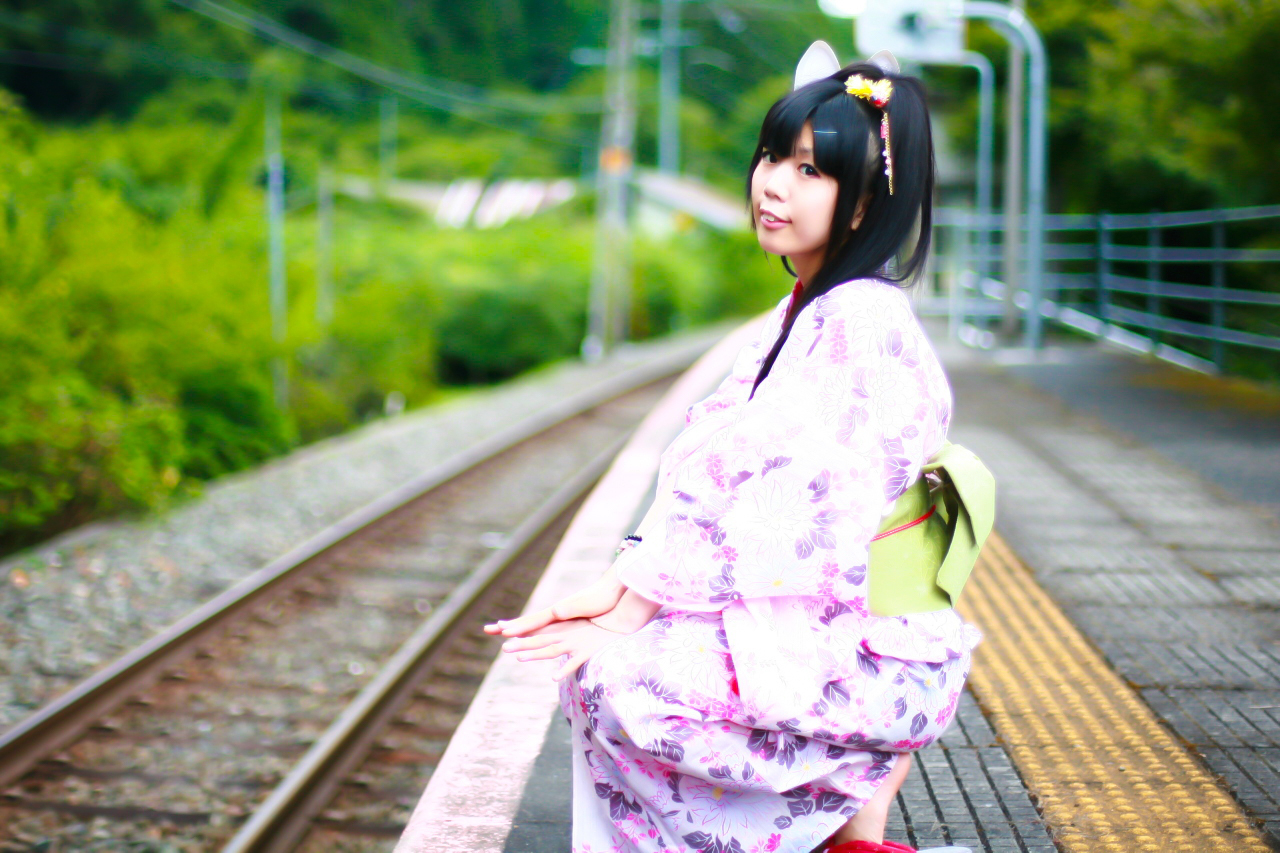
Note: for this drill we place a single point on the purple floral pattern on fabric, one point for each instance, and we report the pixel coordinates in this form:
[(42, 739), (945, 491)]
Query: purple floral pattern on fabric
[(854, 404), (676, 761), (764, 704)]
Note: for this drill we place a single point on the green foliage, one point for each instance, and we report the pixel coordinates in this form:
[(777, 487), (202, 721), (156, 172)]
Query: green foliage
[(117, 302), (698, 277), (134, 333), (1154, 104), (1184, 93), (231, 421), (134, 326), (491, 334)]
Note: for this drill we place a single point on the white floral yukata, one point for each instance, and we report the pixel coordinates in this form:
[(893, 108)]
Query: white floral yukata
[(763, 705)]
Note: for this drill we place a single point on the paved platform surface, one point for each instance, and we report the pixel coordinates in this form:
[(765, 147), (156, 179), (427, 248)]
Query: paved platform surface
[(1146, 502), (1227, 431)]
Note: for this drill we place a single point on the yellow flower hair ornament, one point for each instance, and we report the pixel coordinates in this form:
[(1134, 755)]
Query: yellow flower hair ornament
[(876, 93)]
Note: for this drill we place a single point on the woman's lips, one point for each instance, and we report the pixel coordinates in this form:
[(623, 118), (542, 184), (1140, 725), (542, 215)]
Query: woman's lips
[(772, 221)]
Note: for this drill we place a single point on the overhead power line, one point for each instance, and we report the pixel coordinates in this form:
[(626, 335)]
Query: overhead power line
[(141, 53), (438, 92), (155, 57)]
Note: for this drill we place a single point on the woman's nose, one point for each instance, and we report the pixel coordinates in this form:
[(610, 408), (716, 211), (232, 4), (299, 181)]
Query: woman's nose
[(776, 185)]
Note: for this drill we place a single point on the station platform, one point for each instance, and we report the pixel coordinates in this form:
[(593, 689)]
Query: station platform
[(1127, 694)]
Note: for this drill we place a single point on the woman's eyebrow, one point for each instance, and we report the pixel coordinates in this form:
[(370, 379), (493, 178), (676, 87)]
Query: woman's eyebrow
[(804, 149)]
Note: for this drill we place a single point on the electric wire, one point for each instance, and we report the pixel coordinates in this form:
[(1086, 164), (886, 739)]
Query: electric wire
[(155, 57), (435, 91), (140, 52)]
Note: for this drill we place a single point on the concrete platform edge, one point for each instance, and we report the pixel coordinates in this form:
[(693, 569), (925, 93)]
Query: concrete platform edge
[(469, 804)]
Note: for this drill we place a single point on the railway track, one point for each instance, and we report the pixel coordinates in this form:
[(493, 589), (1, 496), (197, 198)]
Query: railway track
[(306, 707)]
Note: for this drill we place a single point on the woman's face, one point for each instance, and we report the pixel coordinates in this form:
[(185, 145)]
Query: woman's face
[(793, 203)]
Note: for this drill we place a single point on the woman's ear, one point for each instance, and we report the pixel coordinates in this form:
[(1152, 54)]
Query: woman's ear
[(859, 212)]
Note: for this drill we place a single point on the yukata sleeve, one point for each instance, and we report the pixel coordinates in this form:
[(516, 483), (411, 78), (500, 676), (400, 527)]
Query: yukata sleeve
[(736, 387), (718, 409), (785, 500)]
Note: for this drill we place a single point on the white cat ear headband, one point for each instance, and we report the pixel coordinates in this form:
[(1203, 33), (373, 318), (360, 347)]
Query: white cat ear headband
[(820, 61)]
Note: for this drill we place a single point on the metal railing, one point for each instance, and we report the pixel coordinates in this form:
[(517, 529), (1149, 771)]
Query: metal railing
[(1172, 284)]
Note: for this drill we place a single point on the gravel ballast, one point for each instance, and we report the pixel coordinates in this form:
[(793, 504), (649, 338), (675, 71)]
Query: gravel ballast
[(79, 601)]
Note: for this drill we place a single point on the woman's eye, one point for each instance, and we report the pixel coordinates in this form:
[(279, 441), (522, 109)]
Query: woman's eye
[(809, 171), (769, 157)]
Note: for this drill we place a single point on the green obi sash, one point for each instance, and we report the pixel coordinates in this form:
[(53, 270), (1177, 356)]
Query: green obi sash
[(924, 566)]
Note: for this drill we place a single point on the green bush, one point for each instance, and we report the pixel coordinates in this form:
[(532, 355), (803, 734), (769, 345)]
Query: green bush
[(697, 277), (230, 421), (115, 300), (489, 335), (70, 452), (135, 337)]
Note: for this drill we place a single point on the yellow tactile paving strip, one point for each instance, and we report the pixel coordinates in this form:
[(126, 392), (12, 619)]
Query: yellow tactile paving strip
[(1106, 774)]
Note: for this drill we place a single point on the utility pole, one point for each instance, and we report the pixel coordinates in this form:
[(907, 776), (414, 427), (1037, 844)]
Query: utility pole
[(1015, 26), (388, 130), (669, 89), (324, 247), (1012, 195), (275, 241), (611, 272)]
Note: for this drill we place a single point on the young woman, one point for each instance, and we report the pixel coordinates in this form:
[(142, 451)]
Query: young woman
[(730, 689)]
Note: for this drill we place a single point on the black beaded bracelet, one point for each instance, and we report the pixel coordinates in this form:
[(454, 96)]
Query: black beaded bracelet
[(629, 541)]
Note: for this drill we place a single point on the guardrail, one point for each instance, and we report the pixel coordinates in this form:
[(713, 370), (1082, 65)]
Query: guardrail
[(1148, 281)]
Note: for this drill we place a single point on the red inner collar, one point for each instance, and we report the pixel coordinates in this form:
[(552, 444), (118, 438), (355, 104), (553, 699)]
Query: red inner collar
[(795, 298)]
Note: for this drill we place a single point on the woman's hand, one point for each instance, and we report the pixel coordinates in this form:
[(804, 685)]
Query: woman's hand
[(600, 597), (577, 638), (580, 638)]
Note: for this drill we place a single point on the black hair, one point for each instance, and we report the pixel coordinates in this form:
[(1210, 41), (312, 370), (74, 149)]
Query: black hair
[(853, 156)]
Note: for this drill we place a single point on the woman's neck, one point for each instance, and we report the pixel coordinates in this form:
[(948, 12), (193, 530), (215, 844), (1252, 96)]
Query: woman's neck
[(806, 265)]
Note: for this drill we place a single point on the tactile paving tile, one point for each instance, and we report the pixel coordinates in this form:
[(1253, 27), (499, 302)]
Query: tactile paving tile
[(1108, 776), (1207, 663), (1253, 775), (1225, 702)]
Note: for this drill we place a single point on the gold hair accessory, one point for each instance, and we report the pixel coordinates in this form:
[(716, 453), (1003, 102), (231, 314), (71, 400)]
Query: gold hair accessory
[(876, 93)]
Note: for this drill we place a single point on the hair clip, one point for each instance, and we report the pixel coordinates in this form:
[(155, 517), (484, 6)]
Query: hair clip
[(876, 93)]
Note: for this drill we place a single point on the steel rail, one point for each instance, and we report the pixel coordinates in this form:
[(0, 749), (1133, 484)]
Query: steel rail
[(65, 718), (285, 817)]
